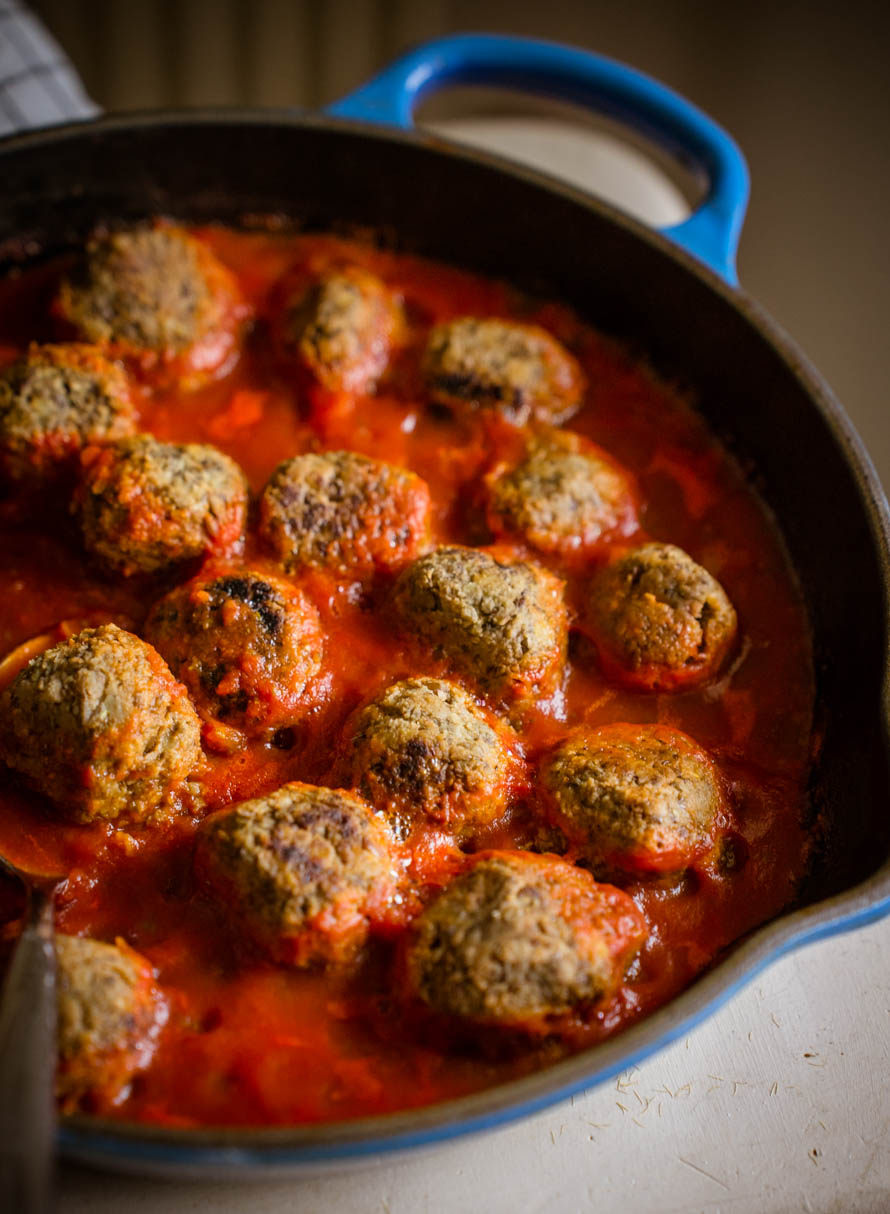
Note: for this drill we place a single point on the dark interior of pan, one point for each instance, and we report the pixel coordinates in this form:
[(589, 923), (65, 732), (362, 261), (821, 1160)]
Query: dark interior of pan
[(755, 389)]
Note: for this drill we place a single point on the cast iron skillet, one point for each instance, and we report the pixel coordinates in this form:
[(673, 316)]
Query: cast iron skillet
[(674, 296)]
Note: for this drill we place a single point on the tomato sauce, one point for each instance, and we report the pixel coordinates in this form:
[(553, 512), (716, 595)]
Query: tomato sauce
[(248, 1042)]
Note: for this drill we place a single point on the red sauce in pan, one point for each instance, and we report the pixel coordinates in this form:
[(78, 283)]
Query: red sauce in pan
[(249, 1042)]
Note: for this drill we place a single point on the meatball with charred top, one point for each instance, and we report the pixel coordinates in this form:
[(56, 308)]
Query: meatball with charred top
[(639, 798), (518, 370), (423, 750), (519, 941), (54, 402), (344, 512), (304, 869), (99, 725), (659, 621), (145, 505), (110, 1012), (341, 328), (501, 623), (244, 644), (565, 496)]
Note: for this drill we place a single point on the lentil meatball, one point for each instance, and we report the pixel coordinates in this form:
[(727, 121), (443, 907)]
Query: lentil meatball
[(244, 644), (422, 750), (565, 496), (99, 725), (342, 328), (660, 622), (157, 290), (344, 512), (501, 623), (146, 505), (304, 869), (519, 370), (634, 797), (109, 1013), (53, 403), (518, 940)]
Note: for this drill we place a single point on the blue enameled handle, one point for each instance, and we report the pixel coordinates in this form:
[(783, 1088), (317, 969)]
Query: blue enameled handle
[(711, 233)]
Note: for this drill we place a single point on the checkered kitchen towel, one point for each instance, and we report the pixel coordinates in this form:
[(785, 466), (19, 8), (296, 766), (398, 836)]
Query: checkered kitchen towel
[(38, 85)]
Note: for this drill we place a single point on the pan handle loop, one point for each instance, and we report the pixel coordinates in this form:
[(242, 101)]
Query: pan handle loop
[(711, 233)]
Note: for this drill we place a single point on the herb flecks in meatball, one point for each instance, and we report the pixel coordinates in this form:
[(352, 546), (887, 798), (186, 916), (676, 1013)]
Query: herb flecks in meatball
[(145, 505), (303, 868), (501, 623), (518, 370), (344, 512), (565, 496), (660, 622), (99, 725), (634, 797), (56, 401), (109, 1015), (424, 751), (518, 940)]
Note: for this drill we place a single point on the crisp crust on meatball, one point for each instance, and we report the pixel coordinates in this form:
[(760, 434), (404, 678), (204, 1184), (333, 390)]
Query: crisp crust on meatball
[(518, 370), (423, 750), (99, 725), (660, 622), (502, 623), (54, 402), (520, 940), (342, 328), (145, 505), (642, 798), (343, 512), (566, 496), (304, 869), (246, 645), (156, 290), (110, 1012)]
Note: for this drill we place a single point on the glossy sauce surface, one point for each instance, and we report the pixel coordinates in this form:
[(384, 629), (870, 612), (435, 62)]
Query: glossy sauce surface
[(248, 1042)]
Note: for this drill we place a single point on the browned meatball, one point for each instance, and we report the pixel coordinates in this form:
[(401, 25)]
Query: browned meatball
[(424, 750), (635, 797), (156, 290), (519, 370), (110, 1013), (565, 496), (146, 505), (245, 645), (660, 622), (99, 725), (342, 328), (344, 512), (303, 869), (502, 623), (53, 403), (518, 940)]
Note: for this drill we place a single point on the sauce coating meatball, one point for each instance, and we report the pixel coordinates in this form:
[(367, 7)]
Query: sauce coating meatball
[(53, 403), (424, 750), (156, 291), (146, 505), (304, 869), (342, 328), (518, 940), (501, 623), (109, 1014), (344, 512), (565, 496), (642, 798), (99, 725), (244, 644), (660, 622), (519, 370)]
